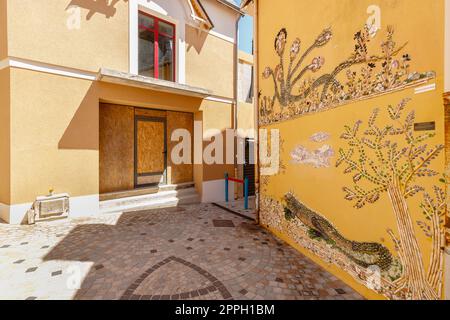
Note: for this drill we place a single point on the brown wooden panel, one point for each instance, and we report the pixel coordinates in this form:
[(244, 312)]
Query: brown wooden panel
[(150, 113), (116, 148), (150, 146), (179, 120), (150, 180)]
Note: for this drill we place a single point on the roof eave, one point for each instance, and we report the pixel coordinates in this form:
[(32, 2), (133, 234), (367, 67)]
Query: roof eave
[(132, 80), (232, 6)]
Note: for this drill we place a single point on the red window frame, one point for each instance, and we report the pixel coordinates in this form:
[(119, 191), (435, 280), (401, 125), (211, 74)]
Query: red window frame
[(156, 32)]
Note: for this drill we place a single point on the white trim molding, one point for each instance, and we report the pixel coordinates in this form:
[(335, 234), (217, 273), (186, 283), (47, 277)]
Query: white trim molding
[(220, 99), (222, 36), (4, 64), (47, 68), (213, 33), (83, 206), (423, 89)]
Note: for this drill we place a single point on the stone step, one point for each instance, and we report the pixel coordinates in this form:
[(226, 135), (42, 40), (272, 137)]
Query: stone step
[(144, 191), (163, 199)]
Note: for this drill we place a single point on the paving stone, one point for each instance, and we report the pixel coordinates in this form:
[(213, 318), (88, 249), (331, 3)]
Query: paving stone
[(224, 260)]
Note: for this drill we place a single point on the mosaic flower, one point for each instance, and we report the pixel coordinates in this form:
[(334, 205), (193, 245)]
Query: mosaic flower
[(395, 64), (316, 64), (280, 41), (320, 137), (267, 72), (279, 73), (295, 48), (324, 37)]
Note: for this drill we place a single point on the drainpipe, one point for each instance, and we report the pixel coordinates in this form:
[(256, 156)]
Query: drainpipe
[(235, 102), (256, 108)]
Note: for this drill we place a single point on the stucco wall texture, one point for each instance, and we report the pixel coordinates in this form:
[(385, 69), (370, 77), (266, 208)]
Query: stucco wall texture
[(3, 30), (5, 137)]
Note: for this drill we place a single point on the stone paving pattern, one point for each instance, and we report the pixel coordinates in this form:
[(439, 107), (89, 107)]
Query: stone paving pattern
[(189, 252), (238, 207)]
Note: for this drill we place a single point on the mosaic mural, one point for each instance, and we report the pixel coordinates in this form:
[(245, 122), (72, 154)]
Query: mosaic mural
[(389, 161), (320, 137), (392, 159), (341, 253), (364, 254), (319, 158), (299, 89)]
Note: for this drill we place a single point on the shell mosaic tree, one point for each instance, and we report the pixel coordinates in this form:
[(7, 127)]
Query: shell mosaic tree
[(391, 160)]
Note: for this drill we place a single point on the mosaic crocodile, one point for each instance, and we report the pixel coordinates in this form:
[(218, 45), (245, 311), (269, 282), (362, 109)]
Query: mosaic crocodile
[(364, 254)]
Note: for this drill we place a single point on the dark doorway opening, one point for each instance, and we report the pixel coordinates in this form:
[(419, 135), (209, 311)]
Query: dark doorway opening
[(249, 165)]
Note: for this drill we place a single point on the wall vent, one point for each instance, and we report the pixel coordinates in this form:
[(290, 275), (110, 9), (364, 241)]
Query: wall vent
[(49, 208)]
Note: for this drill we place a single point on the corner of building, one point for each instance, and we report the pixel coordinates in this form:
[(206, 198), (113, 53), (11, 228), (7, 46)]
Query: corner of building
[(5, 144), (447, 46), (447, 93)]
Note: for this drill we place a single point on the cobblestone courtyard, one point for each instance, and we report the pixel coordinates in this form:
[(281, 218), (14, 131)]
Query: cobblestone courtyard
[(189, 252)]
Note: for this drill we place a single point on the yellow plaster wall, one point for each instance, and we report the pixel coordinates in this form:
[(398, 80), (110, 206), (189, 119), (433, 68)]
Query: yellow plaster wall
[(5, 137), (55, 144), (198, 168), (246, 116), (216, 115), (45, 153), (447, 45), (40, 33), (321, 189), (3, 31), (209, 62), (55, 141)]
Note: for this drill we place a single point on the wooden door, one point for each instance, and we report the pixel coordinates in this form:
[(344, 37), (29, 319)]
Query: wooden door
[(150, 151)]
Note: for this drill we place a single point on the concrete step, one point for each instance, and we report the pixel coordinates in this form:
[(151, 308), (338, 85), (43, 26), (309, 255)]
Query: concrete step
[(144, 191), (162, 199)]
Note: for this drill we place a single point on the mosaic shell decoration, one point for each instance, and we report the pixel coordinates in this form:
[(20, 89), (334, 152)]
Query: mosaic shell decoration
[(301, 89), (318, 158)]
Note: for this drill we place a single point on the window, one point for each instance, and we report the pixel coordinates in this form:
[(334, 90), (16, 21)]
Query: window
[(156, 48)]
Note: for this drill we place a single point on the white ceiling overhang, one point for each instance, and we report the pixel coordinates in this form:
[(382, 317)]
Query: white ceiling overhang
[(132, 80)]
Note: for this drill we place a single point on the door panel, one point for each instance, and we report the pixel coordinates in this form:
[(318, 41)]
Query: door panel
[(151, 157), (116, 149), (180, 173)]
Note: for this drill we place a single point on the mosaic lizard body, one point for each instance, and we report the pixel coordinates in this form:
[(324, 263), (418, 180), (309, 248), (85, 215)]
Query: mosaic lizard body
[(376, 253)]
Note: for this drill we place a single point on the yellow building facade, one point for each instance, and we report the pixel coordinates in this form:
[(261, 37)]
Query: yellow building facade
[(76, 99), (354, 91)]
